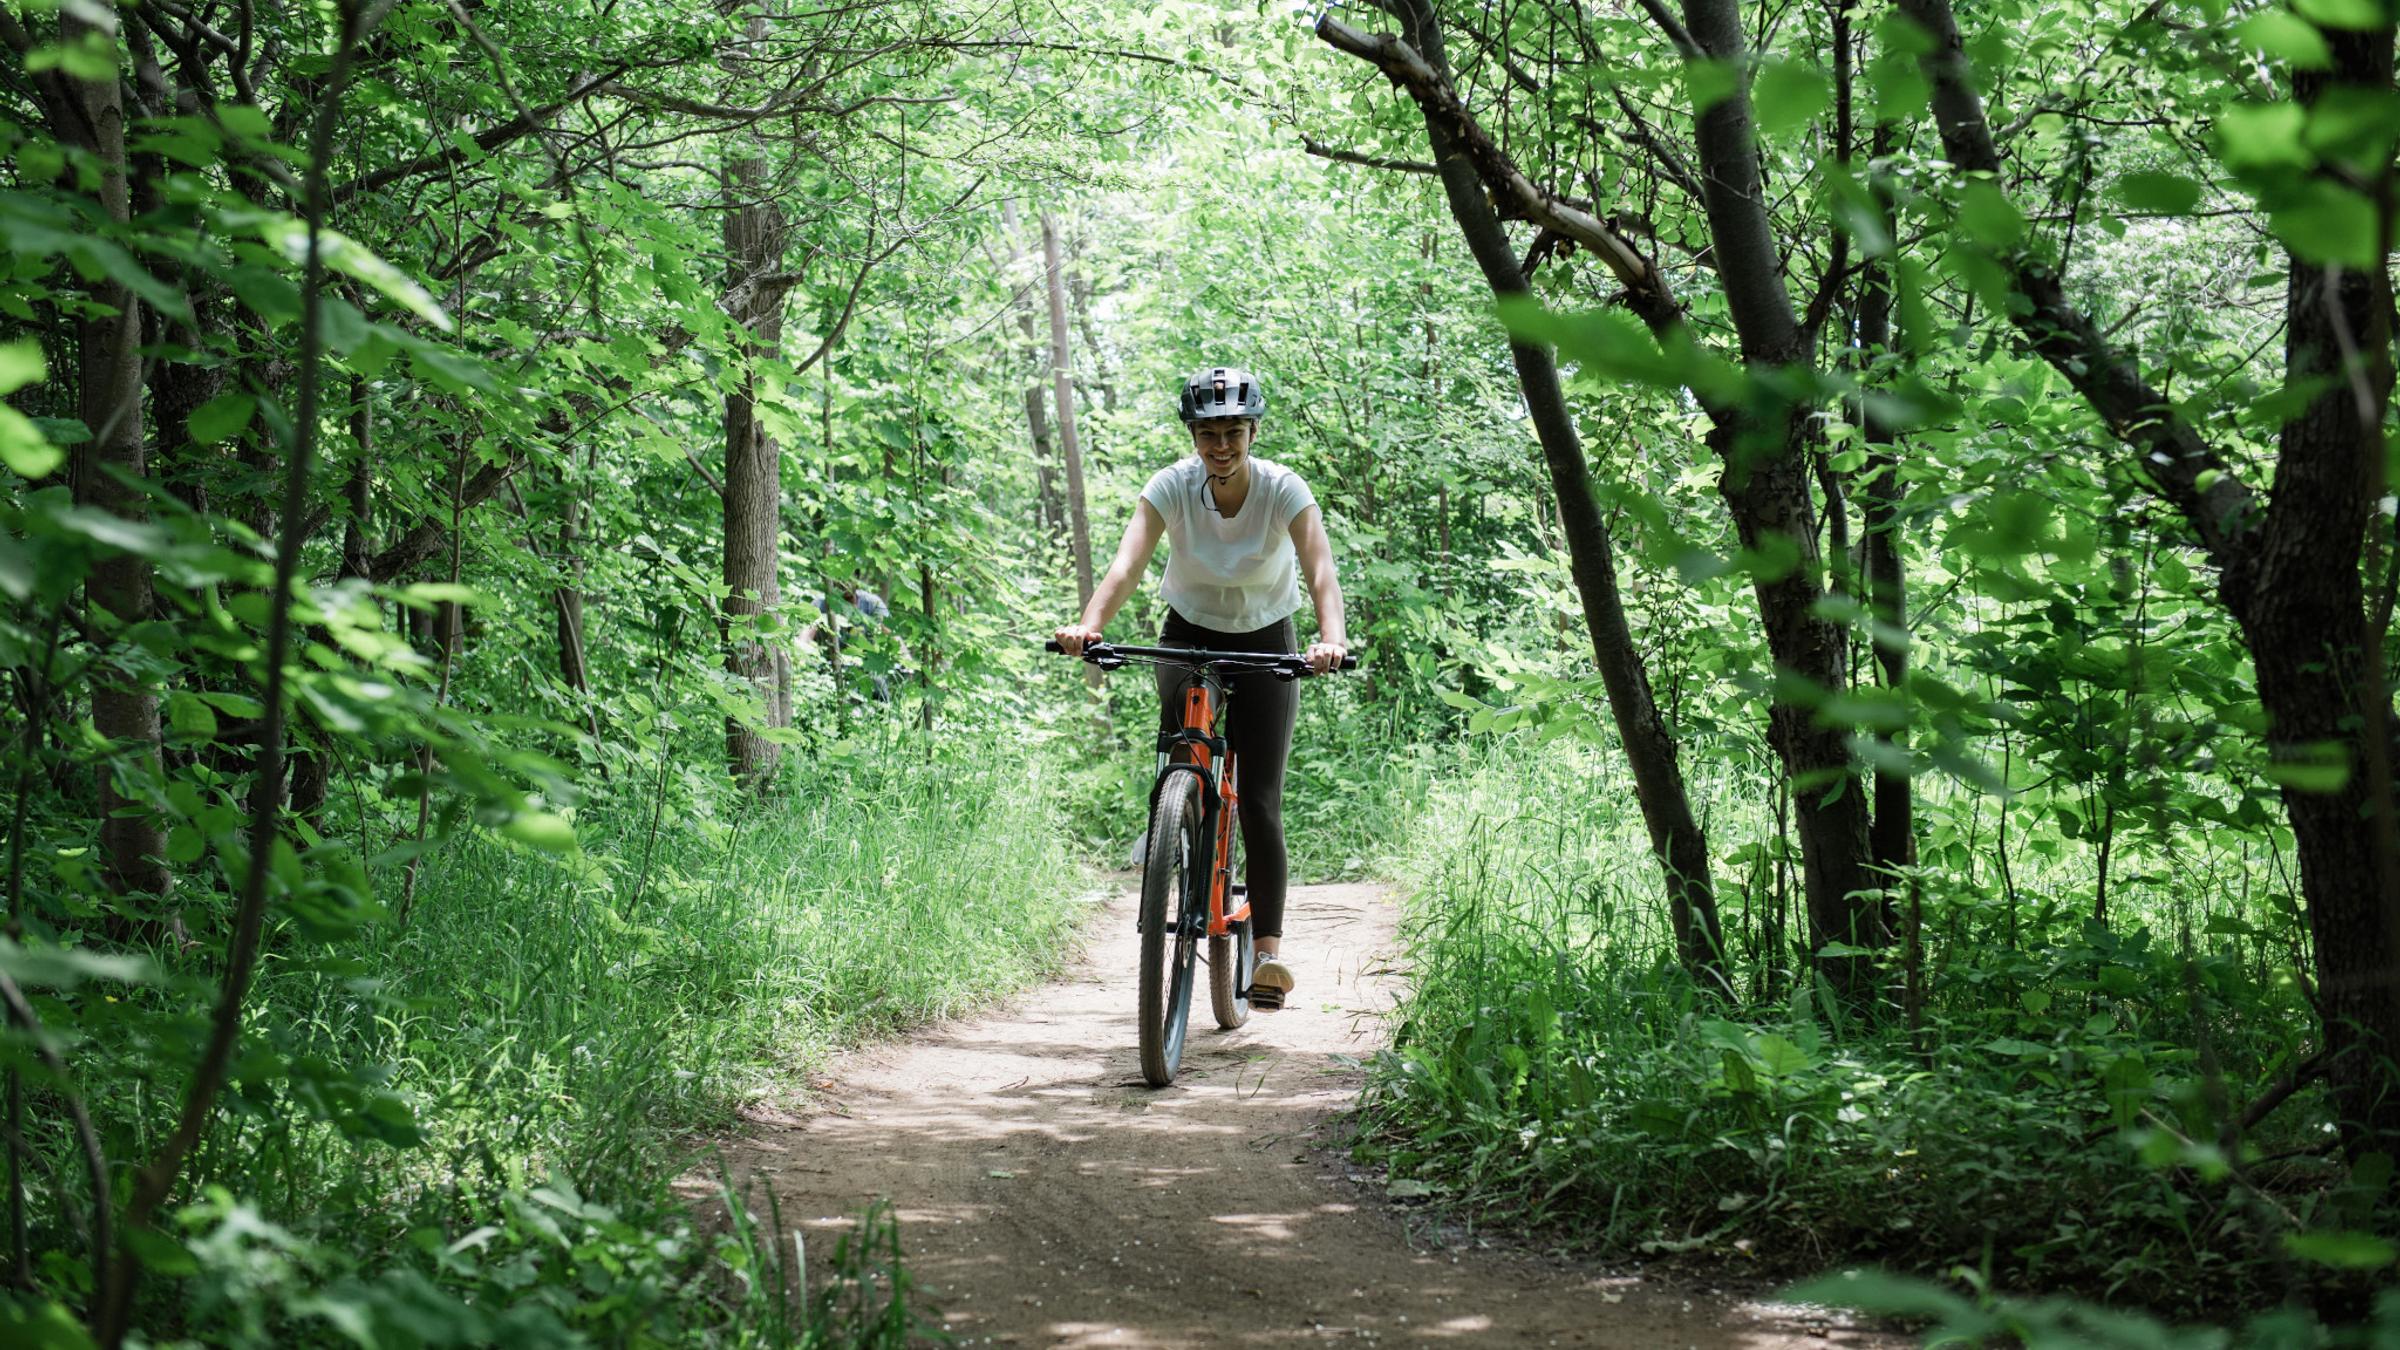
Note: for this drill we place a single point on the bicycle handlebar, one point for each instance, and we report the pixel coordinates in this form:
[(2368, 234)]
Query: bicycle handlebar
[(1111, 655)]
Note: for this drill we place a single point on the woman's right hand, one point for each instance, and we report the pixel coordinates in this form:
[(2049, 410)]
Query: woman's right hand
[(1074, 637)]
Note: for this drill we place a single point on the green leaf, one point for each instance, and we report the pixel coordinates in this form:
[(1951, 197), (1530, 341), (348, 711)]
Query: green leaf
[(2353, 14), (2126, 1083), (222, 418), (161, 1254), (2167, 193), (1781, 1058), (2342, 1250), (2262, 136), (289, 236), (23, 447), (92, 56), (187, 715), (46, 1325), (545, 830), (2010, 1045), (1873, 1291), (66, 967), (2325, 222), (1988, 216), (1788, 95), (2285, 36), (1710, 82), (387, 1118), (2311, 768), (20, 365)]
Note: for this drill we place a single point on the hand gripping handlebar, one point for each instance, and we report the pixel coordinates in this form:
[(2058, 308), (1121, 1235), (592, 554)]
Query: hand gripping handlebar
[(1113, 656)]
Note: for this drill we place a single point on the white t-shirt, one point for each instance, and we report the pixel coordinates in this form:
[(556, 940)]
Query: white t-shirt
[(1233, 575)]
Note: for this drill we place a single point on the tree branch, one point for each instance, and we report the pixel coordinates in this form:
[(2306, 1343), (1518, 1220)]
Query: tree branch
[(424, 539), (1323, 151), (2188, 471), (1647, 293), (488, 140)]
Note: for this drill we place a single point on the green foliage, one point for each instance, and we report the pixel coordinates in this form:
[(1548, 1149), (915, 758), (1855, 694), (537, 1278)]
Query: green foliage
[(2057, 1118)]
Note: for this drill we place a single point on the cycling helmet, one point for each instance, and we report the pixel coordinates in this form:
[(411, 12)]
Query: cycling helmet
[(1222, 391)]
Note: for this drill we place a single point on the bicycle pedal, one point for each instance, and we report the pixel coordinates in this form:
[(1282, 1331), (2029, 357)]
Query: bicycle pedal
[(1262, 997)]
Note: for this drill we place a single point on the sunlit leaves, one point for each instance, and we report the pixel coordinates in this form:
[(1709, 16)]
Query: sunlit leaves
[(2354, 14), (2285, 36), (2167, 193), (1787, 95), (222, 418), (23, 447), (2262, 136)]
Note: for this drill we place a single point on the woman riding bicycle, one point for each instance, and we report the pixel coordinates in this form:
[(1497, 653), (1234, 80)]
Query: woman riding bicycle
[(1243, 531)]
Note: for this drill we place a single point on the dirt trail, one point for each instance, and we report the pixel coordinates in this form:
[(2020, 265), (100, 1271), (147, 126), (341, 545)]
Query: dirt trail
[(1048, 1198)]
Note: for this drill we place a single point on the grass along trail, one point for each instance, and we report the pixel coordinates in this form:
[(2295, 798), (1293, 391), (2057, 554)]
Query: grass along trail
[(1048, 1198)]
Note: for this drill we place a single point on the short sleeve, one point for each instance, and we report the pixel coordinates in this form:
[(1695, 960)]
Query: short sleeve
[(1296, 498), (1160, 491)]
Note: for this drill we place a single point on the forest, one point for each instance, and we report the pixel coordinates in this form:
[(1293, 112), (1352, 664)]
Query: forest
[(528, 531)]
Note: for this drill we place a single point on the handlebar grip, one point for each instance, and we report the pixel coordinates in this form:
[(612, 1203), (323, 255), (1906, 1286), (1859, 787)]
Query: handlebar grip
[(1051, 645), (1349, 663)]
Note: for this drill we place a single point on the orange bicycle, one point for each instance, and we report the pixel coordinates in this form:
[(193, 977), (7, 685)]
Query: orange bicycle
[(1188, 886)]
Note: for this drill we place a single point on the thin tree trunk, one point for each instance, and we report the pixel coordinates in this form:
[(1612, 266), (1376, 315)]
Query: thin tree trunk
[(125, 712), (1893, 834), (754, 231), (1079, 290), (1049, 515), (1675, 836), (1080, 528), (1766, 484)]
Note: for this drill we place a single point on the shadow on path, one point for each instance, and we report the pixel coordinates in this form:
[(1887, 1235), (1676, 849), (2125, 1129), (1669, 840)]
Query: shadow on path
[(1048, 1198)]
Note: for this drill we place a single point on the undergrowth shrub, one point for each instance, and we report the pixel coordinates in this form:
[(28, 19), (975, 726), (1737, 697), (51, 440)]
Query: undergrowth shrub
[(481, 1115), (2057, 1119)]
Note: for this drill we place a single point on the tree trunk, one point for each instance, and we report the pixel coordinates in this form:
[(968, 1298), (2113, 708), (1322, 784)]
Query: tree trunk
[(1080, 528), (1766, 484), (1049, 515), (2288, 564), (1893, 835), (132, 835), (1079, 290), (753, 482), (2320, 672), (310, 757), (1675, 836)]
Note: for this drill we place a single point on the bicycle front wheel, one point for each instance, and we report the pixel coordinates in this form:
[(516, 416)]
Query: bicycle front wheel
[(1173, 877)]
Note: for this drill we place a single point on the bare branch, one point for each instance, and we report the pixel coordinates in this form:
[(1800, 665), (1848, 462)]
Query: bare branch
[(1323, 151), (488, 140), (1646, 288)]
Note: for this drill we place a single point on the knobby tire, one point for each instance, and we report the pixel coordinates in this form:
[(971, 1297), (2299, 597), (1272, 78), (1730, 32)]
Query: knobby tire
[(1173, 876)]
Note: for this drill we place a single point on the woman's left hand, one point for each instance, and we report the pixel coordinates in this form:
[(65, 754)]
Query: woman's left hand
[(1326, 657)]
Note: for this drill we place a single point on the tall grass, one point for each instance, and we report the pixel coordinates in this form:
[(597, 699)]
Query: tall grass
[(548, 1035), (2051, 1120)]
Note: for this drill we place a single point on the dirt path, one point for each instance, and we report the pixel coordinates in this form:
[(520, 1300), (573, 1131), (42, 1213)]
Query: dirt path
[(1048, 1198)]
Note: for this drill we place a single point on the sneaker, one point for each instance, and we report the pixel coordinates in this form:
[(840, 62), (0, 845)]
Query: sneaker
[(1270, 979)]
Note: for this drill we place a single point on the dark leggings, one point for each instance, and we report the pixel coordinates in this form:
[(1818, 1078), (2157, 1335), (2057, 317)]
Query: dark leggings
[(1258, 728)]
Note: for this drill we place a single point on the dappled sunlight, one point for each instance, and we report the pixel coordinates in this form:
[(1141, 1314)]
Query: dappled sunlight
[(1048, 1198)]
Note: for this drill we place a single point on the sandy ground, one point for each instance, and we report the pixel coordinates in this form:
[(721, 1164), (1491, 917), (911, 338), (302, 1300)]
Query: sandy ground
[(1048, 1198)]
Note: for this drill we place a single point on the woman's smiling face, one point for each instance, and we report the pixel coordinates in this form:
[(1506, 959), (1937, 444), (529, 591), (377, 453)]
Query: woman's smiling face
[(1224, 443)]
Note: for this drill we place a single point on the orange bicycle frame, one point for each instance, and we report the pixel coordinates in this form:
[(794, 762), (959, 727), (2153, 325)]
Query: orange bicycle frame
[(1199, 715)]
